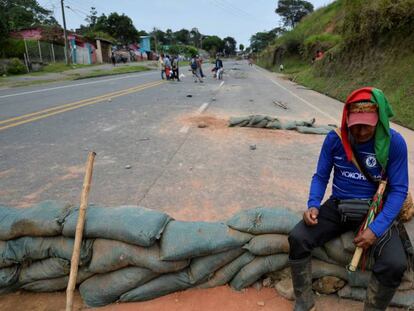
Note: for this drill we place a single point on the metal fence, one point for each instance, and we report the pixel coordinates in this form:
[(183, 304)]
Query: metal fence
[(43, 52)]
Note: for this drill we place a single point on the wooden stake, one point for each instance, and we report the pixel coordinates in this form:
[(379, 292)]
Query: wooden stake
[(79, 232)]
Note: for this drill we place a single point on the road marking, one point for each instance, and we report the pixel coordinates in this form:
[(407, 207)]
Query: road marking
[(300, 98), (104, 96), (199, 111), (74, 85), (75, 105), (202, 108), (221, 84)]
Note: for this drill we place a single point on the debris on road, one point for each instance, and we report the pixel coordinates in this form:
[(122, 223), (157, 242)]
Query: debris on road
[(128, 167), (280, 104), (144, 139), (202, 125), (189, 95), (252, 147), (262, 121)]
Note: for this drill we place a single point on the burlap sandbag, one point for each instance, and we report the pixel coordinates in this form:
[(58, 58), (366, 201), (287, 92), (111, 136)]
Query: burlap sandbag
[(44, 269), (110, 255), (226, 273), (9, 276), (268, 244), (183, 240)]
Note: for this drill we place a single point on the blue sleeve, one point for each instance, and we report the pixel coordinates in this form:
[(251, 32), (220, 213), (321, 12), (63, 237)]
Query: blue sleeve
[(397, 172), (323, 171)]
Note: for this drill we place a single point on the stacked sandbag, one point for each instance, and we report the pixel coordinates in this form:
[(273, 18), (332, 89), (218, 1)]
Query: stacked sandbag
[(268, 122), (132, 253)]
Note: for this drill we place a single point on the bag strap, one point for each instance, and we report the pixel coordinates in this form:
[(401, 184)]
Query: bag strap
[(354, 160)]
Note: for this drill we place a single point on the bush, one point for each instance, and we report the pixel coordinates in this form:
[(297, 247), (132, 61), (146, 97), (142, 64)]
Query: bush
[(13, 48), (16, 67)]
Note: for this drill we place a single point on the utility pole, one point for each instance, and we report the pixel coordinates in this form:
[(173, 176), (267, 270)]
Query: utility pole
[(65, 34)]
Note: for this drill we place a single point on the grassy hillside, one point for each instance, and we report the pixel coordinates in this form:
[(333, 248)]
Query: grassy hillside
[(366, 43)]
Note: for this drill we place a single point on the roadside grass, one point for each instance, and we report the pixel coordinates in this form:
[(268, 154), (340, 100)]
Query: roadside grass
[(395, 78), (114, 71)]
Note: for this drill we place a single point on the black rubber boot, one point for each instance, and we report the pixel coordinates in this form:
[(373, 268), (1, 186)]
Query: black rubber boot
[(302, 284), (378, 295)]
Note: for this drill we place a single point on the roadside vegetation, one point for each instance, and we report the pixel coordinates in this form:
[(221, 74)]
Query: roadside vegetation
[(365, 43)]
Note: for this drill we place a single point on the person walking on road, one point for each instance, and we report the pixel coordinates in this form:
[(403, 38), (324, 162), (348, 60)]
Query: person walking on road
[(167, 64), (199, 66), (175, 70), (218, 68), (161, 65), (194, 69), (379, 153)]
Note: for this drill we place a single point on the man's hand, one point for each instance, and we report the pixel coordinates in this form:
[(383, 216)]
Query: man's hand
[(365, 239), (310, 217)]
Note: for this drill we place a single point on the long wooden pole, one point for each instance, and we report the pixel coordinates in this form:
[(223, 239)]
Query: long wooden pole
[(358, 251), (79, 232)]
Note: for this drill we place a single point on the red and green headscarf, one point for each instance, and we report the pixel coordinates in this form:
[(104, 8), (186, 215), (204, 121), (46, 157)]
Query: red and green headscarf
[(382, 132)]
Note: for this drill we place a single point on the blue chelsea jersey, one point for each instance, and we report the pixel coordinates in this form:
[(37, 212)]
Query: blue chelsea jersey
[(350, 183)]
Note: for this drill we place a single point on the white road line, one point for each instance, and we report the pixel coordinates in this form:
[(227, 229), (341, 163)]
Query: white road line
[(199, 111), (74, 85), (221, 84), (202, 108), (300, 98), (184, 129)]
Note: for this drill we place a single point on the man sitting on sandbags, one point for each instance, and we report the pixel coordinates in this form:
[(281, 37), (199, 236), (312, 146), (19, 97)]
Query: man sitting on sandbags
[(379, 153)]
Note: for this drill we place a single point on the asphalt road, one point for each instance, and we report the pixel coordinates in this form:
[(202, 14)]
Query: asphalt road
[(150, 148), (163, 145)]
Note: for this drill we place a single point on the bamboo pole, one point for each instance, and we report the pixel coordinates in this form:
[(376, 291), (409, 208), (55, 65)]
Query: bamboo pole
[(79, 232), (358, 251)]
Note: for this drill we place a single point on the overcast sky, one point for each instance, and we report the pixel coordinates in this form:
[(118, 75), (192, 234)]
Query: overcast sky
[(239, 19)]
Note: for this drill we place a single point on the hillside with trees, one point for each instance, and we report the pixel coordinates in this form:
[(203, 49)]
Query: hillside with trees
[(362, 43)]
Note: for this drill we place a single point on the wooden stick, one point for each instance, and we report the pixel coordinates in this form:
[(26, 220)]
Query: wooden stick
[(358, 251), (79, 232)]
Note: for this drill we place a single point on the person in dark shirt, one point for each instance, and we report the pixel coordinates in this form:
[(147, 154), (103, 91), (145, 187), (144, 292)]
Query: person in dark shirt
[(365, 135)]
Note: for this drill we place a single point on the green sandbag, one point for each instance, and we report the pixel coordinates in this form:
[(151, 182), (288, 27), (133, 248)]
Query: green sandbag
[(256, 119), (43, 219), (110, 255), (347, 240), (44, 269), (261, 124), (3, 261), (183, 240), (163, 285), (9, 276), (130, 224), (404, 299), (263, 220), (358, 278), (320, 253), (103, 289), (289, 125), (321, 269), (335, 250), (235, 121), (226, 273), (268, 244), (35, 248), (204, 267), (257, 268), (275, 124), (312, 130), (56, 284)]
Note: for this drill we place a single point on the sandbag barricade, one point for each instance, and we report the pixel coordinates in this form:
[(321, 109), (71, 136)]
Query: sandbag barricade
[(131, 253), (268, 122)]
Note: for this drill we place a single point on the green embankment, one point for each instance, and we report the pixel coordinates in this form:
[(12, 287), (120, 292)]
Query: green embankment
[(366, 43)]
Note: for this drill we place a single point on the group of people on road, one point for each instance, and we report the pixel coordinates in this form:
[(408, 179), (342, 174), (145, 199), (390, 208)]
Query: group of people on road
[(169, 66)]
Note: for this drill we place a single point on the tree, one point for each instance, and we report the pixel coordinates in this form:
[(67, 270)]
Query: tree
[(118, 26), (292, 11), (261, 40), (195, 37), (92, 18), (241, 47), (18, 14), (213, 44), (229, 45), (182, 36), (169, 37)]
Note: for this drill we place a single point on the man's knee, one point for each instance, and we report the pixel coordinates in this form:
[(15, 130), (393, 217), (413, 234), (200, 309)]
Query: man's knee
[(391, 271), (298, 243)]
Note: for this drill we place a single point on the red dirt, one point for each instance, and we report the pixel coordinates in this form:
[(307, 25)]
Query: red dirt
[(219, 298)]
